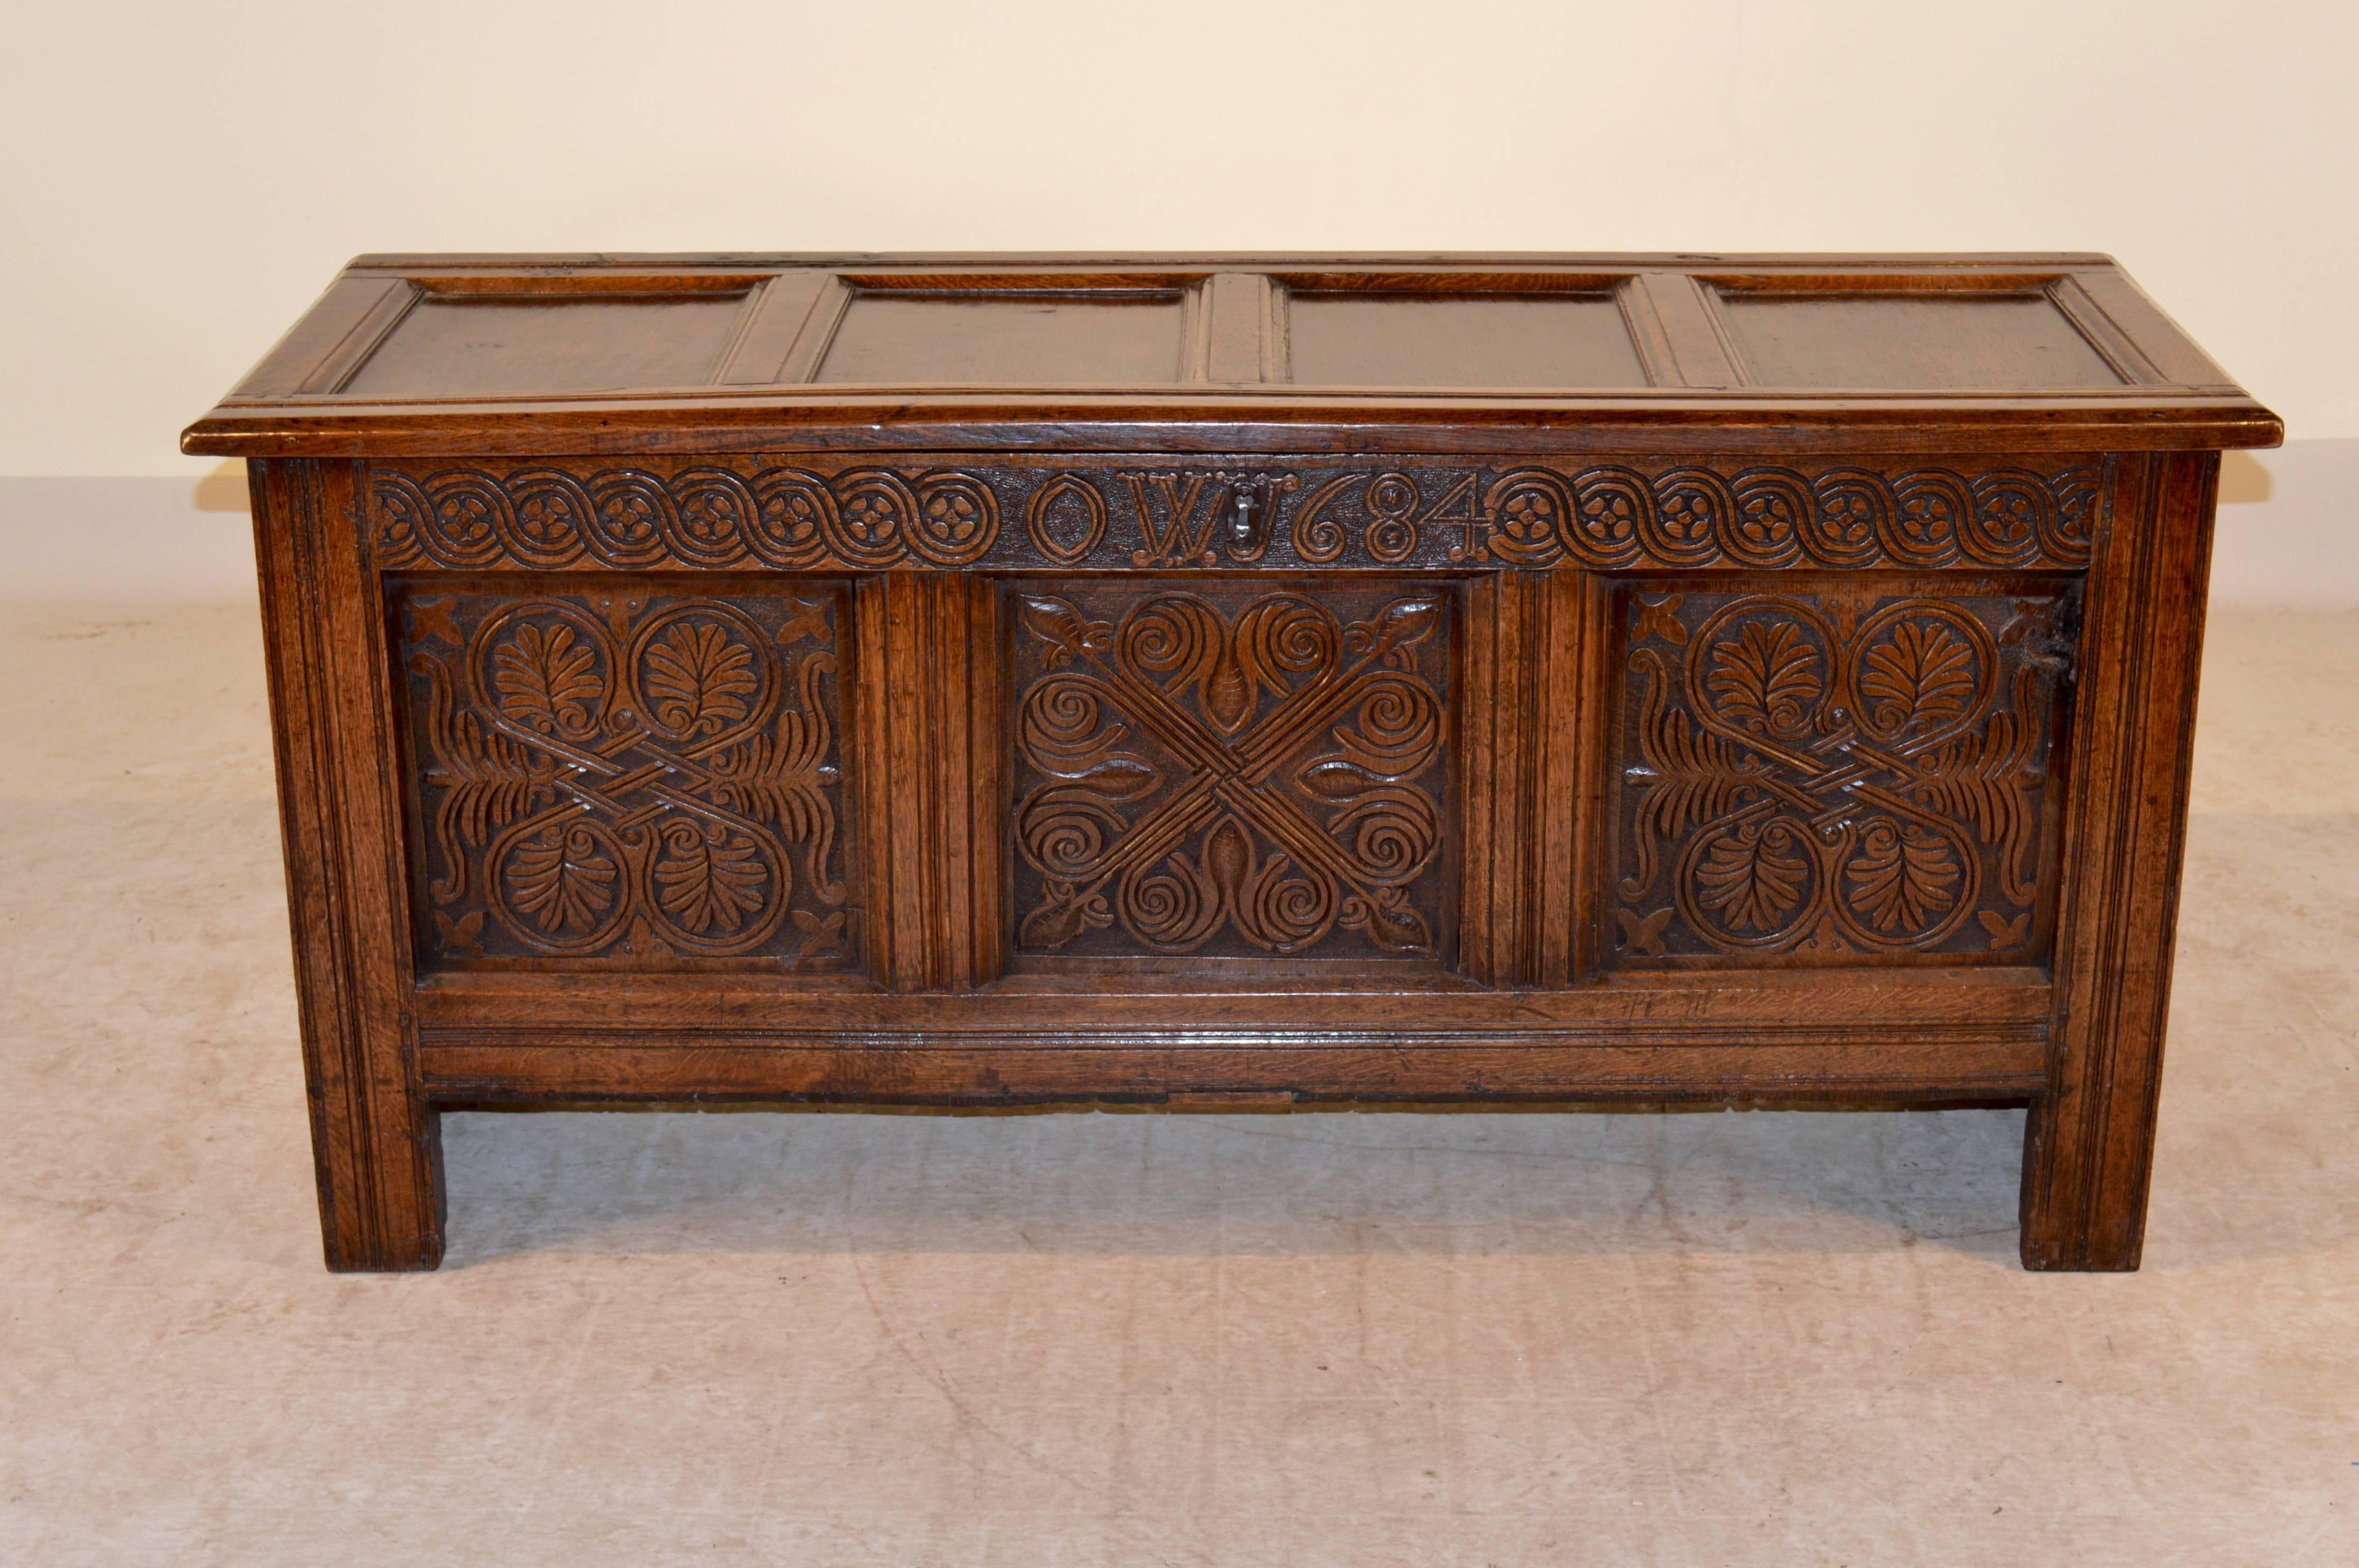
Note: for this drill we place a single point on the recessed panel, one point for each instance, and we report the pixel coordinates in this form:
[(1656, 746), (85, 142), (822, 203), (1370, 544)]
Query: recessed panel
[(1013, 339), (1233, 769), (1915, 342), (454, 347), (1555, 341), (640, 776), (1818, 770)]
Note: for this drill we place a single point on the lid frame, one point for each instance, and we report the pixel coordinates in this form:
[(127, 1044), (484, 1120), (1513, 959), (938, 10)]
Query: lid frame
[(1231, 389)]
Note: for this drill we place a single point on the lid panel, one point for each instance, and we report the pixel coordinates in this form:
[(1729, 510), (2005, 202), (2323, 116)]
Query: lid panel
[(1015, 339), (571, 354), (1946, 342), (462, 345), (1556, 340)]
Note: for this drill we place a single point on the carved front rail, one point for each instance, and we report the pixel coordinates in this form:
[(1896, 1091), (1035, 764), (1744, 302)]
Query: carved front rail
[(1057, 512)]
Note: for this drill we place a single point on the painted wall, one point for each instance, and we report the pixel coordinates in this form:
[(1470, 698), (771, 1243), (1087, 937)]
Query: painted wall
[(181, 179)]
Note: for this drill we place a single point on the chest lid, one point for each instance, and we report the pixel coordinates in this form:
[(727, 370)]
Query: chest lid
[(1661, 353)]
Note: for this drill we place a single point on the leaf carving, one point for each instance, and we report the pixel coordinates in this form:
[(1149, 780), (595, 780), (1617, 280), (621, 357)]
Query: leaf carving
[(1924, 675), (699, 678), (1809, 828), (462, 935), (1228, 856), (1768, 678), (545, 679), (820, 936), (1753, 877), (710, 877), (1644, 932), (1229, 692), (782, 778), (2005, 933), (1333, 778), (1397, 630), (1122, 778), (1388, 920), (1658, 619), (1902, 881), (651, 776), (1064, 916), (488, 780), (1065, 629), (563, 880), (1688, 776)]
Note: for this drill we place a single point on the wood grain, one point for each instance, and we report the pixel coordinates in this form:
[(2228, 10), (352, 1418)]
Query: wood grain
[(2089, 1152), (377, 1141), (1136, 726)]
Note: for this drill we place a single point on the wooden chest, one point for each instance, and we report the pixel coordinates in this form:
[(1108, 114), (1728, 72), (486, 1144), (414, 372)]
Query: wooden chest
[(1221, 680)]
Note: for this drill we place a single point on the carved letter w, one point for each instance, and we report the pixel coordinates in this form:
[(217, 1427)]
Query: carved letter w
[(1179, 535)]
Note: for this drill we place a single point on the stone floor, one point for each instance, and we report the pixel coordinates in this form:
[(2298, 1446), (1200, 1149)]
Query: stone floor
[(1684, 1339)]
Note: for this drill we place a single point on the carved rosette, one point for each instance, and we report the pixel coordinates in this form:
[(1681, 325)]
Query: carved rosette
[(1231, 773), (1110, 514), (1835, 777), (629, 779)]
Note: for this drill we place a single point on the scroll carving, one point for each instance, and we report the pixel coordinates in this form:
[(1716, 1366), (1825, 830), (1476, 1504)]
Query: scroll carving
[(638, 778), (1236, 771), (1835, 773), (1129, 514)]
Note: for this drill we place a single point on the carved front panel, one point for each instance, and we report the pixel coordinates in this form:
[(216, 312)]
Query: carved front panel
[(1231, 768), (629, 775), (1835, 772)]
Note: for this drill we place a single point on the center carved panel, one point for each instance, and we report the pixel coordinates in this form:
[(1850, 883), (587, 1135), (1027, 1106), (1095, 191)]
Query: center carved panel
[(629, 778), (1849, 774), (1230, 771)]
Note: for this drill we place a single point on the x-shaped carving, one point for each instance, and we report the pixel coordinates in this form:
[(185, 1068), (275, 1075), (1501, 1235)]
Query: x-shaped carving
[(1351, 869)]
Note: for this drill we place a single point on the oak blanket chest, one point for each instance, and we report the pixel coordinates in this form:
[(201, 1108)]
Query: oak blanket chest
[(1203, 680)]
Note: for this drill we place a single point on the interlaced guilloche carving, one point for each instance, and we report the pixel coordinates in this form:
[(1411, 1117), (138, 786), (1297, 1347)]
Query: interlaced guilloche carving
[(1309, 512)]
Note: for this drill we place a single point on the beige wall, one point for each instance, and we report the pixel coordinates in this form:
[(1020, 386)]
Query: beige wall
[(181, 179)]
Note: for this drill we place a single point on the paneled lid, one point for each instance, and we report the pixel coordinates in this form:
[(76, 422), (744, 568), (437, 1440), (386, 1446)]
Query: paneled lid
[(515, 354)]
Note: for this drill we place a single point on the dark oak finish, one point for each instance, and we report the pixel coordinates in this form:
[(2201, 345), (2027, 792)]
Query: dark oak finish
[(1030, 337), (375, 1137), (1340, 338), (1962, 342), (1212, 680), (466, 343)]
